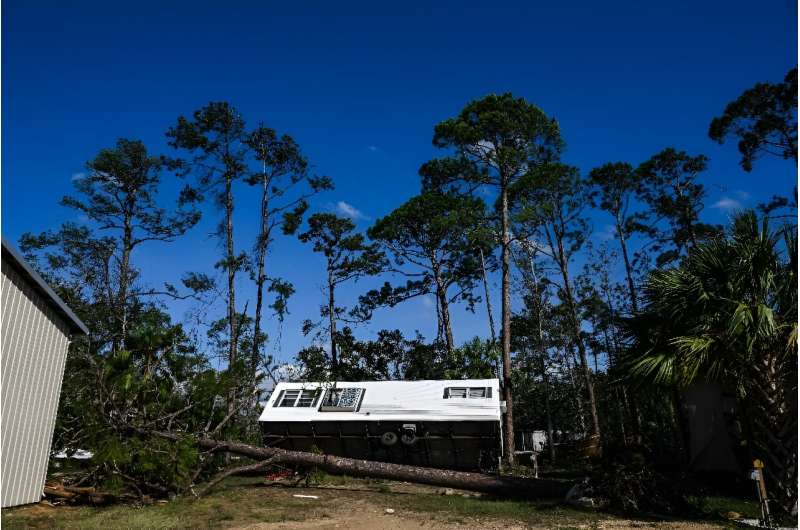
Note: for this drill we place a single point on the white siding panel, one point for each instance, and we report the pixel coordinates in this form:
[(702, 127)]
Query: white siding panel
[(46, 384), (55, 378), (34, 347), (18, 398), (30, 405)]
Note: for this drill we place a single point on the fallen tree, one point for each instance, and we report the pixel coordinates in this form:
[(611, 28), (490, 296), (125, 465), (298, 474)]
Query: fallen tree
[(62, 493), (336, 465)]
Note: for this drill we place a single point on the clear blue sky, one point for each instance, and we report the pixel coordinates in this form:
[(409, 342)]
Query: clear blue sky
[(360, 86)]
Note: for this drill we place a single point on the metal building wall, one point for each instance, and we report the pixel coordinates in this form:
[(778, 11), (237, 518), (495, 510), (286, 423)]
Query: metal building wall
[(34, 348)]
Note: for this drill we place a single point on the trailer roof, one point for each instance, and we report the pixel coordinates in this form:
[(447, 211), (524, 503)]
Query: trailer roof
[(392, 401)]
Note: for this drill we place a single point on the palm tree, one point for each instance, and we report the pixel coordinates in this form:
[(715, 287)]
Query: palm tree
[(728, 313)]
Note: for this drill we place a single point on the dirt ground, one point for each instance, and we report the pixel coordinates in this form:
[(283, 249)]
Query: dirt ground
[(348, 509), (250, 505)]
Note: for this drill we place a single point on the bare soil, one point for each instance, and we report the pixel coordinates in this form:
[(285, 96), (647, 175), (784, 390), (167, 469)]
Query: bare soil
[(354, 508)]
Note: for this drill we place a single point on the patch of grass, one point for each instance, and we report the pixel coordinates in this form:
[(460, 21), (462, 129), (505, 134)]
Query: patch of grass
[(323, 479), (714, 506), (457, 507), (236, 502)]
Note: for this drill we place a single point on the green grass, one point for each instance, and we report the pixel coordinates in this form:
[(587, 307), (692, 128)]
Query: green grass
[(717, 507), (236, 503), (714, 506), (321, 478), (458, 509), (241, 501)]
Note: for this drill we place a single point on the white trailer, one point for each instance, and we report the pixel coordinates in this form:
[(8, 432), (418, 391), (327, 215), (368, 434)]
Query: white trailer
[(448, 424)]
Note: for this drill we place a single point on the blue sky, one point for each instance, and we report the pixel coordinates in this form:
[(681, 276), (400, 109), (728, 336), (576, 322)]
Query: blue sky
[(360, 87)]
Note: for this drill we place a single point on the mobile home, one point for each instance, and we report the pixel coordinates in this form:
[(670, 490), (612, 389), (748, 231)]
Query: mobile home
[(446, 424)]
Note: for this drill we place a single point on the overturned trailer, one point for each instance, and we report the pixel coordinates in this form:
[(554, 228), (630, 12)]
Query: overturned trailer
[(446, 424)]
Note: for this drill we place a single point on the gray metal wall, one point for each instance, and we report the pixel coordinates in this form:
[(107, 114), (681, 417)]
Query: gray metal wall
[(34, 349)]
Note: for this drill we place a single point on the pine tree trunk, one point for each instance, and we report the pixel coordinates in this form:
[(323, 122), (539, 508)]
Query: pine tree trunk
[(622, 403), (628, 268), (542, 355), (548, 414), (492, 332), (441, 294), (630, 406), (261, 250), (332, 324), (508, 439), (124, 278), (576, 336), (576, 390), (636, 414), (488, 300), (590, 390), (439, 327), (687, 217), (493, 484), (621, 409), (232, 347)]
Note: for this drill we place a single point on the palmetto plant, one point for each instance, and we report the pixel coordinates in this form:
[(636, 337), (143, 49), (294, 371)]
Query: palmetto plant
[(728, 313)]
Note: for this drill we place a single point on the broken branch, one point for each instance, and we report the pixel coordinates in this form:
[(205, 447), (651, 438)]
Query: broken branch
[(233, 471)]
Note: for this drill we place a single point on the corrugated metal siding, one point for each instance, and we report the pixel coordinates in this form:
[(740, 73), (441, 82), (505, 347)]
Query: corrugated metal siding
[(34, 349)]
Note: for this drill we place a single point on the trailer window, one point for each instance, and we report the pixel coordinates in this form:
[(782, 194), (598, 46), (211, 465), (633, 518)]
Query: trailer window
[(342, 400), (477, 392), (455, 392), (298, 398), (308, 398), (474, 392), (289, 398)]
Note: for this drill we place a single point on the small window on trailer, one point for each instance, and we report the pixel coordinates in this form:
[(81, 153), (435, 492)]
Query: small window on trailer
[(455, 392), (342, 400), (308, 398), (297, 398), (474, 392), (288, 398), (477, 392)]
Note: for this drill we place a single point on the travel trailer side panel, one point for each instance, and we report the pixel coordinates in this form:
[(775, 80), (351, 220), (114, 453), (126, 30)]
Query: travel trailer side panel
[(422, 423)]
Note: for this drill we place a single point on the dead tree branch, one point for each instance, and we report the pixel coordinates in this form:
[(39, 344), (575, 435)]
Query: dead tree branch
[(234, 471)]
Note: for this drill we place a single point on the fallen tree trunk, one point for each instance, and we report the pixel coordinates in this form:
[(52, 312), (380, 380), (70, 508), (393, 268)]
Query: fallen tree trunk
[(494, 484), (78, 495)]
